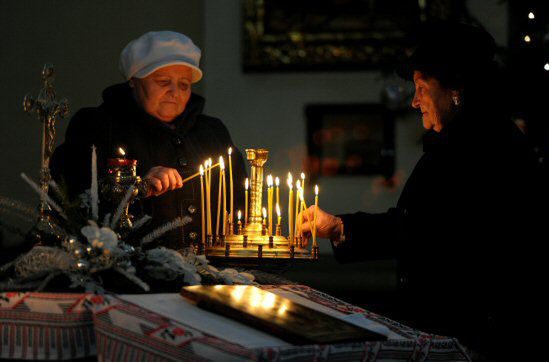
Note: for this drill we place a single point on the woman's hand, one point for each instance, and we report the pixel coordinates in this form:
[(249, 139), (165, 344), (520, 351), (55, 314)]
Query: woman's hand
[(327, 225), (162, 179)]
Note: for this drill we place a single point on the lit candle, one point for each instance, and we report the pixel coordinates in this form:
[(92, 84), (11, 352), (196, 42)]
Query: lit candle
[(277, 183), (202, 211), (290, 208), (297, 209), (219, 196), (209, 196), (208, 209), (303, 181), (314, 217), (122, 152), (303, 208), (264, 224), (222, 166), (270, 202), (239, 224), (278, 231), (198, 173), (246, 185), (231, 185)]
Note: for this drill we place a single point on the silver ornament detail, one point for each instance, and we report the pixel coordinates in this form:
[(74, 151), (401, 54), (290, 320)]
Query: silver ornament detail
[(82, 265)]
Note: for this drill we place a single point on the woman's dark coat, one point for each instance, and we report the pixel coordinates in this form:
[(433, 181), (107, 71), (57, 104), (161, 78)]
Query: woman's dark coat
[(463, 232), (120, 122)]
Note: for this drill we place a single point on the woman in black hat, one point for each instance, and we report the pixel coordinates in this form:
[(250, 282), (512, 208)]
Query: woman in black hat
[(464, 226)]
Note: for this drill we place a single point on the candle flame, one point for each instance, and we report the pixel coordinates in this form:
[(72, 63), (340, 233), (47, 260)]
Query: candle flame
[(270, 180), (210, 163), (121, 151), (298, 184), (290, 178), (302, 176), (221, 163), (277, 181), (201, 170), (239, 215), (316, 190), (290, 185), (531, 15), (277, 210), (264, 213), (247, 184), (230, 150)]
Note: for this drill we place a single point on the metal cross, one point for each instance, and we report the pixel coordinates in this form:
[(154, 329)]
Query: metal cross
[(48, 111)]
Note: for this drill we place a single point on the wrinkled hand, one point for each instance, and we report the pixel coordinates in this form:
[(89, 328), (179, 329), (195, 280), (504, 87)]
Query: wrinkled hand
[(162, 179), (327, 225)]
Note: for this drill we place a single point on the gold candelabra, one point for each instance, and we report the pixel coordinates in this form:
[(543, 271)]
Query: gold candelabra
[(255, 240)]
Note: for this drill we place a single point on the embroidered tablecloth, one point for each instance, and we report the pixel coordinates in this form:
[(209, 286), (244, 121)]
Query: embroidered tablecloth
[(45, 326)]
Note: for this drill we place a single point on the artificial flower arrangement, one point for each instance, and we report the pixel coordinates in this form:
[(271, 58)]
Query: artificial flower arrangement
[(88, 252)]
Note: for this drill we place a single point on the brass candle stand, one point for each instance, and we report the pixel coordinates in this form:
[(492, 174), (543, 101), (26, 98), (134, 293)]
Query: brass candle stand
[(120, 178), (252, 241)]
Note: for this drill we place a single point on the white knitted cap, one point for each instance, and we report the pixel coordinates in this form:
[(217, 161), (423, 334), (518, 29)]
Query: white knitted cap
[(158, 49)]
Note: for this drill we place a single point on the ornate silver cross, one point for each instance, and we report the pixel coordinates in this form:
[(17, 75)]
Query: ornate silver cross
[(48, 111)]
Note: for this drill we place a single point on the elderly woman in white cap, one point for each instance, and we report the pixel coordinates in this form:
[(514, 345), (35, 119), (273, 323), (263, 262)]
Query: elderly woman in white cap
[(158, 121)]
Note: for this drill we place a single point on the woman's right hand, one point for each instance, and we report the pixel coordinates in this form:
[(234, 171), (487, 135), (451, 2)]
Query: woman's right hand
[(162, 179), (327, 225)]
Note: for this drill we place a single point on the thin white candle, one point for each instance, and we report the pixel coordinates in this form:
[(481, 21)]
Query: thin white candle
[(202, 211), (94, 187), (209, 195), (246, 185), (218, 216), (239, 223), (230, 151), (277, 184), (222, 166), (290, 208), (297, 209), (314, 217), (270, 202), (208, 204), (264, 218)]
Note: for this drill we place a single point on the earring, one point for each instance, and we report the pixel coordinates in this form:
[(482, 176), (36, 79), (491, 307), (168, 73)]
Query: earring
[(456, 100)]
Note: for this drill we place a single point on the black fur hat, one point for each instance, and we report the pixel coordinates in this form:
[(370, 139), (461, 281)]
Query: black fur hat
[(450, 52)]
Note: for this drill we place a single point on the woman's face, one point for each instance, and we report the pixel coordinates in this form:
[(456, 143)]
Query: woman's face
[(434, 101), (164, 93)]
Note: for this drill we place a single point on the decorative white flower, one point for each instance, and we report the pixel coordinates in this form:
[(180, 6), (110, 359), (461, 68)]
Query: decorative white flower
[(103, 237), (168, 264)]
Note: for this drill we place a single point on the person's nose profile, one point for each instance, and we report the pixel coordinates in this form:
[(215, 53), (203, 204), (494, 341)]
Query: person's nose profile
[(415, 101)]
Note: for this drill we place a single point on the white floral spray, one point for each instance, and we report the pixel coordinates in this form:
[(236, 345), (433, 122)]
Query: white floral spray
[(122, 206), (156, 233), (48, 199)]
